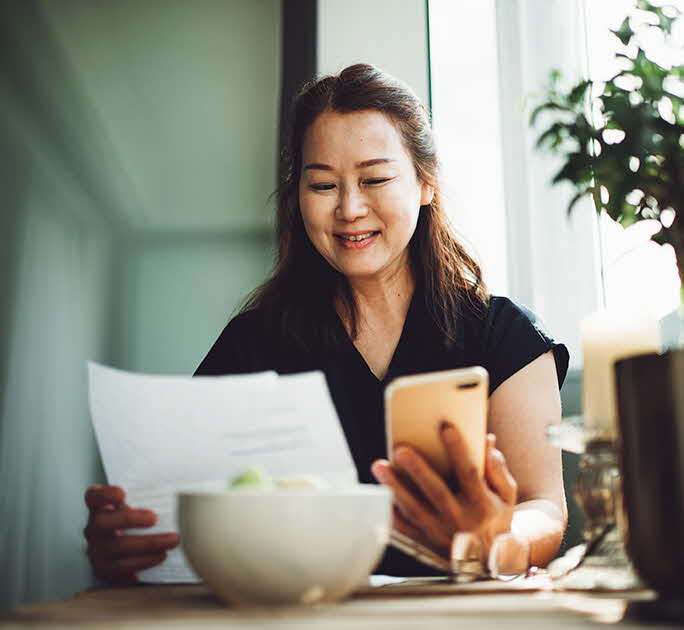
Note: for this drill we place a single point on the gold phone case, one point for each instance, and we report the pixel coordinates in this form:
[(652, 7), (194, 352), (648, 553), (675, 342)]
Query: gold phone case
[(415, 407)]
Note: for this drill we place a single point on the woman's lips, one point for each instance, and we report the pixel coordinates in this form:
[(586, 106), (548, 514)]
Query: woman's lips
[(366, 242)]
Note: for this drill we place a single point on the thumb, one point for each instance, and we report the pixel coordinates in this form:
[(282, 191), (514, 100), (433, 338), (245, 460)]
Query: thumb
[(498, 476), (509, 556)]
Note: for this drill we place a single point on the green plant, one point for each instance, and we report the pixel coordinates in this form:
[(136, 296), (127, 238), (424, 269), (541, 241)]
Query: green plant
[(623, 144)]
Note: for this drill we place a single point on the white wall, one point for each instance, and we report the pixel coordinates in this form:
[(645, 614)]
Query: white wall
[(391, 34)]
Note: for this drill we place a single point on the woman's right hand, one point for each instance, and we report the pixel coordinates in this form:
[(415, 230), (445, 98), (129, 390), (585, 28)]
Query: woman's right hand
[(116, 557)]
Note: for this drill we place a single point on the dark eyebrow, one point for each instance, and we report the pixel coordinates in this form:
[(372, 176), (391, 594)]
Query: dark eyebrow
[(366, 163), (318, 167)]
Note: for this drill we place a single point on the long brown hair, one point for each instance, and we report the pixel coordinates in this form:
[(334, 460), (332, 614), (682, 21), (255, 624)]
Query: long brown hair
[(299, 297)]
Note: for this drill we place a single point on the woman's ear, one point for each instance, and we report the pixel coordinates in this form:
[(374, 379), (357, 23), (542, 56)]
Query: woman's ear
[(427, 193)]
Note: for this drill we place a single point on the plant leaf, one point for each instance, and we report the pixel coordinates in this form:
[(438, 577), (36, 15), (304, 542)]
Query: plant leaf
[(548, 106), (625, 32), (577, 93), (555, 132)]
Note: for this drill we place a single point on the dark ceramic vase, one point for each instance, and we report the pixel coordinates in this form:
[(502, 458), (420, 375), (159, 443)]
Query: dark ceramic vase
[(650, 393)]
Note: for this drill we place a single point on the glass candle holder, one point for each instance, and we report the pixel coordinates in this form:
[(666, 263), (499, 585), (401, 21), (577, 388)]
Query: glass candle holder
[(602, 561)]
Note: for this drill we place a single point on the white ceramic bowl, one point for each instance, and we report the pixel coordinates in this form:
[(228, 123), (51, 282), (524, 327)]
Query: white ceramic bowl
[(284, 546)]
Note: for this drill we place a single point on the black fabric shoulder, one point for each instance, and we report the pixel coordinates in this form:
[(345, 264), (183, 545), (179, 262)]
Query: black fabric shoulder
[(513, 337), (234, 351)]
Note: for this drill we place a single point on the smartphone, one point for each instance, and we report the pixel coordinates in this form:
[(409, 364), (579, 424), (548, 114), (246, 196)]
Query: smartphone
[(416, 406)]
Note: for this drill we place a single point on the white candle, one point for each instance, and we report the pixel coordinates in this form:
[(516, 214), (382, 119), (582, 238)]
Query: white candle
[(608, 336)]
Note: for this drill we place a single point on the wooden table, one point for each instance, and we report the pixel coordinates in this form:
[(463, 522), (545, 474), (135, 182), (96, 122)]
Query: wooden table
[(192, 606)]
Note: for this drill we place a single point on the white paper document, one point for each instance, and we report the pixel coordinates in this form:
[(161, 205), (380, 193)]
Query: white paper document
[(161, 434)]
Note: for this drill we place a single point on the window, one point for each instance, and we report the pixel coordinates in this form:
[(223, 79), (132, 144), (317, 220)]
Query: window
[(466, 119), (637, 273), (490, 62)]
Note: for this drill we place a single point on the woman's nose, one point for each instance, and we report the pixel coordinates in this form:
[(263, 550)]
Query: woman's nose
[(352, 205)]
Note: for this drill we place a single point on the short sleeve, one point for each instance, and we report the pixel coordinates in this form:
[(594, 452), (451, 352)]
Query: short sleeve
[(513, 337)]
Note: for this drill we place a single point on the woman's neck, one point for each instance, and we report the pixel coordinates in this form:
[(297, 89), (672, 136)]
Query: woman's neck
[(383, 298)]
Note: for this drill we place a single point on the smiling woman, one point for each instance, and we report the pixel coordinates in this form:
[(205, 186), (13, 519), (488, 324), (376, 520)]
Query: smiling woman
[(360, 215), (371, 284), (347, 133)]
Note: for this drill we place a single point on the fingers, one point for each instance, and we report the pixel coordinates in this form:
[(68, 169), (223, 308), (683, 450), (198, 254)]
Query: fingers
[(117, 558), (400, 524), (97, 497), (413, 510), (497, 474), (430, 483), (411, 541), (103, 523), (134, 545), (111, 569), (509, 555), (461, 461)]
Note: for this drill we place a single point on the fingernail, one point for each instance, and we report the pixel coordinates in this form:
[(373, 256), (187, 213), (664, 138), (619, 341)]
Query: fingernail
[(403, 455), (496, 455), (148, 516), (380, 473)]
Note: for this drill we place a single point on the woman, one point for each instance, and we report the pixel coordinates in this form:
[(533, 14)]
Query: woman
[(371, 284)]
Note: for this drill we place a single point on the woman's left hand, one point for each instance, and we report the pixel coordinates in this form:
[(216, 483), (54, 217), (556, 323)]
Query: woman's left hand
[(481, 506)]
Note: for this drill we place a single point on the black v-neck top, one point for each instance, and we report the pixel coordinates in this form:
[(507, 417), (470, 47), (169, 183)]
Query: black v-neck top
[(503, 340)]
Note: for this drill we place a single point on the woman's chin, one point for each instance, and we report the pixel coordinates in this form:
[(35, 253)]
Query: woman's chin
[(371, 267), (361, 272)]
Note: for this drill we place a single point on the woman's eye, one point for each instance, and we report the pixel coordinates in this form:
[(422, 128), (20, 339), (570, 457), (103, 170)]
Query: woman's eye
[(322, 186), (378, 180)]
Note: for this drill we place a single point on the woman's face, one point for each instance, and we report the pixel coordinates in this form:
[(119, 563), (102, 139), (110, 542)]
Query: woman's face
[(359, 193)]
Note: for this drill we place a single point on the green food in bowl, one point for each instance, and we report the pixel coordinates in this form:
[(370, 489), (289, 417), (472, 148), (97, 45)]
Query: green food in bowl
[(253, 479), (258, 479)]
